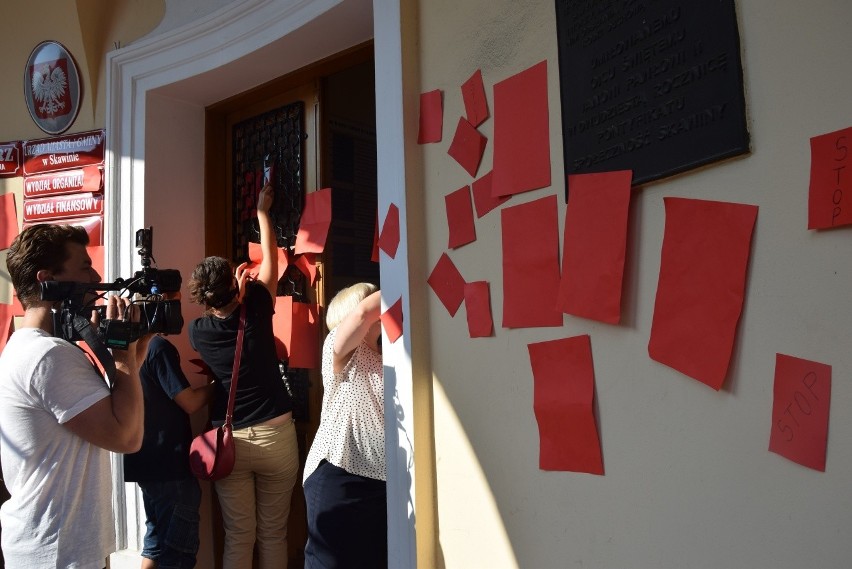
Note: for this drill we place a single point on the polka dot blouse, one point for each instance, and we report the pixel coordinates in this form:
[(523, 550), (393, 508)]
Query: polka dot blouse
[(351, 434)]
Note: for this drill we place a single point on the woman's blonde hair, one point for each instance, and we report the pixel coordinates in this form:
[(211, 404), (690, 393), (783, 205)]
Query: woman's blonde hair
[(345, 302)]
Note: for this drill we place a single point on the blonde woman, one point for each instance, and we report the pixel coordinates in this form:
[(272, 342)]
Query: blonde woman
[(346, 469)]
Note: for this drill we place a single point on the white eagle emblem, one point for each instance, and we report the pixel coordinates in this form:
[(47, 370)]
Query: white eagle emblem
[(49, 89)]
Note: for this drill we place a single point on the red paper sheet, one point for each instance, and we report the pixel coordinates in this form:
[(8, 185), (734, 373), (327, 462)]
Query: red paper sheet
[(314, 223), (296, 329), (392, 321), (467, 147), (483, 200), (255, 254), (389, 237), (201, 369), (93, 225), (802, 398), (8, 220), (521, 133), (475, 103), (594, 245), (531, 264), (477, 303), (6, 325), (17, 307), (307, 265), (700, 293), (304, 348), (447, 283), (460, 218), (563, 402), (96, 253), (431, 117), (282, 325), (830, 195)]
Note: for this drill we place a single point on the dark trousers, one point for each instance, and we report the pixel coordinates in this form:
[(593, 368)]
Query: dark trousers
[(347, 520)]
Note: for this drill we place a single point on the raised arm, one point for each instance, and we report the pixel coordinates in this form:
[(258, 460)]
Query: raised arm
[(268, 272), (354, 328)]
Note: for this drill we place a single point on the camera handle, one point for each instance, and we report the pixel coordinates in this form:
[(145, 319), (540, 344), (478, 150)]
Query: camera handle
[(84, 328)]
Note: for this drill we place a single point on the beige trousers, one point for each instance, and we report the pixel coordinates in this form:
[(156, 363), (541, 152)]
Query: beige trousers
[(255, 497)]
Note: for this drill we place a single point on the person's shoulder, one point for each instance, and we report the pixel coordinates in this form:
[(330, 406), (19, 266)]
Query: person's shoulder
[(254, 287), (257, 292), (198, 323), (28, 341), (38, 338), (158, 344)]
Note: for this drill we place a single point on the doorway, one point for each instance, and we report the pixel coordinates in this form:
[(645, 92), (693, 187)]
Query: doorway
[(318, 124)]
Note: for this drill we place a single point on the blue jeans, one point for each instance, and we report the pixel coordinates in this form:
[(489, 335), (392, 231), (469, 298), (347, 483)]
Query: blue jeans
[(171, 509)]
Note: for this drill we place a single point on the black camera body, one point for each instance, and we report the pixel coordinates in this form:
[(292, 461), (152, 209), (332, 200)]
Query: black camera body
[(157, 313)]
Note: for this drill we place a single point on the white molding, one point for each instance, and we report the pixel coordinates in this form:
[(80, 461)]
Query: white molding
[(225, 36), (399, 392)]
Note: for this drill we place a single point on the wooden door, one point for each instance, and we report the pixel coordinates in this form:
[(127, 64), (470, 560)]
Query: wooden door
[(313, 145)]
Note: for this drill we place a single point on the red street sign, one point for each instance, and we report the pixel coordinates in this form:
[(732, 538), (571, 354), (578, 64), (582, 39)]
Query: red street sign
[(93, 226), (79, 180), (63, 152), (10, 159), (74, 205)]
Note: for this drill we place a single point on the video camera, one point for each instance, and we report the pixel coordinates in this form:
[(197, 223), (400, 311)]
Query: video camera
[(157, 314)]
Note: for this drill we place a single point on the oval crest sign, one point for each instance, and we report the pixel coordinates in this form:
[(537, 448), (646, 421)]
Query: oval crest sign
[(52, 87)]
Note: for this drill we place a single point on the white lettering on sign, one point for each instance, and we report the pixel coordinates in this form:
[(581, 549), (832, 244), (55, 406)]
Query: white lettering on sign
[(36, 186), (81, 180), (55, 160), (64, 182), (64, 144), (38, 208), (82, 204), (62, 206), (9, 159)]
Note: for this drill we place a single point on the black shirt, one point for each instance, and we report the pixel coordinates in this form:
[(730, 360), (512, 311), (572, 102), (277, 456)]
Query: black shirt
[(261, 393), (165, 444)]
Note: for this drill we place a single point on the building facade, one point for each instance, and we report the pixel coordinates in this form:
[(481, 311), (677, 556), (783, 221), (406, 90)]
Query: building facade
[(687, 480)]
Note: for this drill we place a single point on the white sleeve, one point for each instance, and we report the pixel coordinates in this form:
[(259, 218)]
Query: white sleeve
[(66, 382)]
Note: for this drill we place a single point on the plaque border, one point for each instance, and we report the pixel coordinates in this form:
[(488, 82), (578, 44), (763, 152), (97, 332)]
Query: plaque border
[(739, 147)]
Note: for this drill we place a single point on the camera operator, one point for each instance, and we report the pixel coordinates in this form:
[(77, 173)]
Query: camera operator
[(58, 418)]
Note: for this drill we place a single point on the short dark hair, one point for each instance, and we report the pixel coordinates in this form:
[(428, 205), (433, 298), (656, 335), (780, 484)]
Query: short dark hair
[(38, 247), (212, 282)]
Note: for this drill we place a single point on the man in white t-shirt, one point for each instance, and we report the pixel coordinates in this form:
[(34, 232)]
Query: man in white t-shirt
[(58, 418)]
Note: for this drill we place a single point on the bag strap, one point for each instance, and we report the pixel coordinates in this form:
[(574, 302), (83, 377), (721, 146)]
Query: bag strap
[(235, 373)]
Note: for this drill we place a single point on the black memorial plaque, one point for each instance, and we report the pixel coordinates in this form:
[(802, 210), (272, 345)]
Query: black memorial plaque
[(653, 86)]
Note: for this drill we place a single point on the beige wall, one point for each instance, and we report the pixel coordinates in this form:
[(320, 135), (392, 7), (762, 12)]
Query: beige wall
[(689, 481), (88, 29)]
